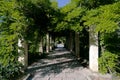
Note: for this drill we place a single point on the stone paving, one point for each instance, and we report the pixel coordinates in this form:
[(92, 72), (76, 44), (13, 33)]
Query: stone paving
[(61, 65)]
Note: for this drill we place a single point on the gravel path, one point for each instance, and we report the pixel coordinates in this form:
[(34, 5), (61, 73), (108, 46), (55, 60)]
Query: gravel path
[(61, 65)]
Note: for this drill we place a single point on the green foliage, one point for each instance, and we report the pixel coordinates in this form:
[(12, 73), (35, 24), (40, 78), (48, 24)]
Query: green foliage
[(108, 62), (12, 26), (105, 18), (110, 42), (68, 8), (10, 71), (71, 18), (54, 4), (41, 16), (32, 19), (76, 13)]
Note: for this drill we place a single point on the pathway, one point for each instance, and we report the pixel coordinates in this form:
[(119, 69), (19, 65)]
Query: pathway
[(62, 65)]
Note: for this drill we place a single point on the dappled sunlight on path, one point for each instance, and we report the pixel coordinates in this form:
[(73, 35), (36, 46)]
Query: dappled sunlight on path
[(61, 65)]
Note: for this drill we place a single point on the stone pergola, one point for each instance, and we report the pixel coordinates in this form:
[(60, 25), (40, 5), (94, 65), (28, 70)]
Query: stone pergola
[(72, 42)]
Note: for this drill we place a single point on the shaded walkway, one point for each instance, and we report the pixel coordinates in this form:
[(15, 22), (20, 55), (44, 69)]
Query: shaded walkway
[(61, 65)]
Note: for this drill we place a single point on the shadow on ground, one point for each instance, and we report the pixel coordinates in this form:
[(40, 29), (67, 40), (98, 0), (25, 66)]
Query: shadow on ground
[(55, 63)]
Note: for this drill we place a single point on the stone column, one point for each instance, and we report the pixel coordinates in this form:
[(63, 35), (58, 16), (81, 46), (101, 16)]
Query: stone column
[(67, 42), (41, 46), (93, 50), (77, 45), (50, 43), (23, 52), (20, 51), (26, 54), (47, 43), (71, 41)]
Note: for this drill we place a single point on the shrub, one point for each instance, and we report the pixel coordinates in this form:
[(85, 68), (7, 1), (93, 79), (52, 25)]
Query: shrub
[(108, 62), (9, 71)]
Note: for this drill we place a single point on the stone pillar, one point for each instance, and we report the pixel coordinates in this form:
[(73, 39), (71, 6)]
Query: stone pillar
[(50, 43), (23, 52), (47, 43), (26, 54), (67, 43), (20, 51), (77, 45), (93, 50), (41, 46), (71, 41)]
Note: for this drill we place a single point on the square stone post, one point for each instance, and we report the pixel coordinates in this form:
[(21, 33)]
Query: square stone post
[(47, 43), (71, 41), (50, 43), (41, 45), (93, 50), (23, 52), (77, 44), (20, 51), (26, 54)]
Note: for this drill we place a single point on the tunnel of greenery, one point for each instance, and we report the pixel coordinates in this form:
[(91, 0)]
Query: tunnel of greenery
[(38, 24)]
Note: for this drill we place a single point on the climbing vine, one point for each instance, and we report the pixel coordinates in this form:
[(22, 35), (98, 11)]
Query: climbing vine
[(30, 20)]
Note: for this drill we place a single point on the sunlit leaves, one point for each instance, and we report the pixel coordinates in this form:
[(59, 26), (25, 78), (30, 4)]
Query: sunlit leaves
[(105, 18), (72, 14), (108, 62), (12, 24), (54, 4), (76, 27), (107, 26), (68, 8), (76, 13), (61, 26)]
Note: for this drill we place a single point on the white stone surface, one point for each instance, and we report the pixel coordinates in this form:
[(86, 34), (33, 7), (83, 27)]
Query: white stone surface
[(93, 50), (21, 58), (93, 58), (64, 71)]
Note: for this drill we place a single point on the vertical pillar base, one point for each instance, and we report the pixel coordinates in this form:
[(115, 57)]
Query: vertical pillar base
[(77, 45), (93, 50)]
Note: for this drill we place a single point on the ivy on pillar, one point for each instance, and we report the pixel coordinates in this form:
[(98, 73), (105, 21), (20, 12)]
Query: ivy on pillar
[(23, 52), (20, 51), (93, 50)]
